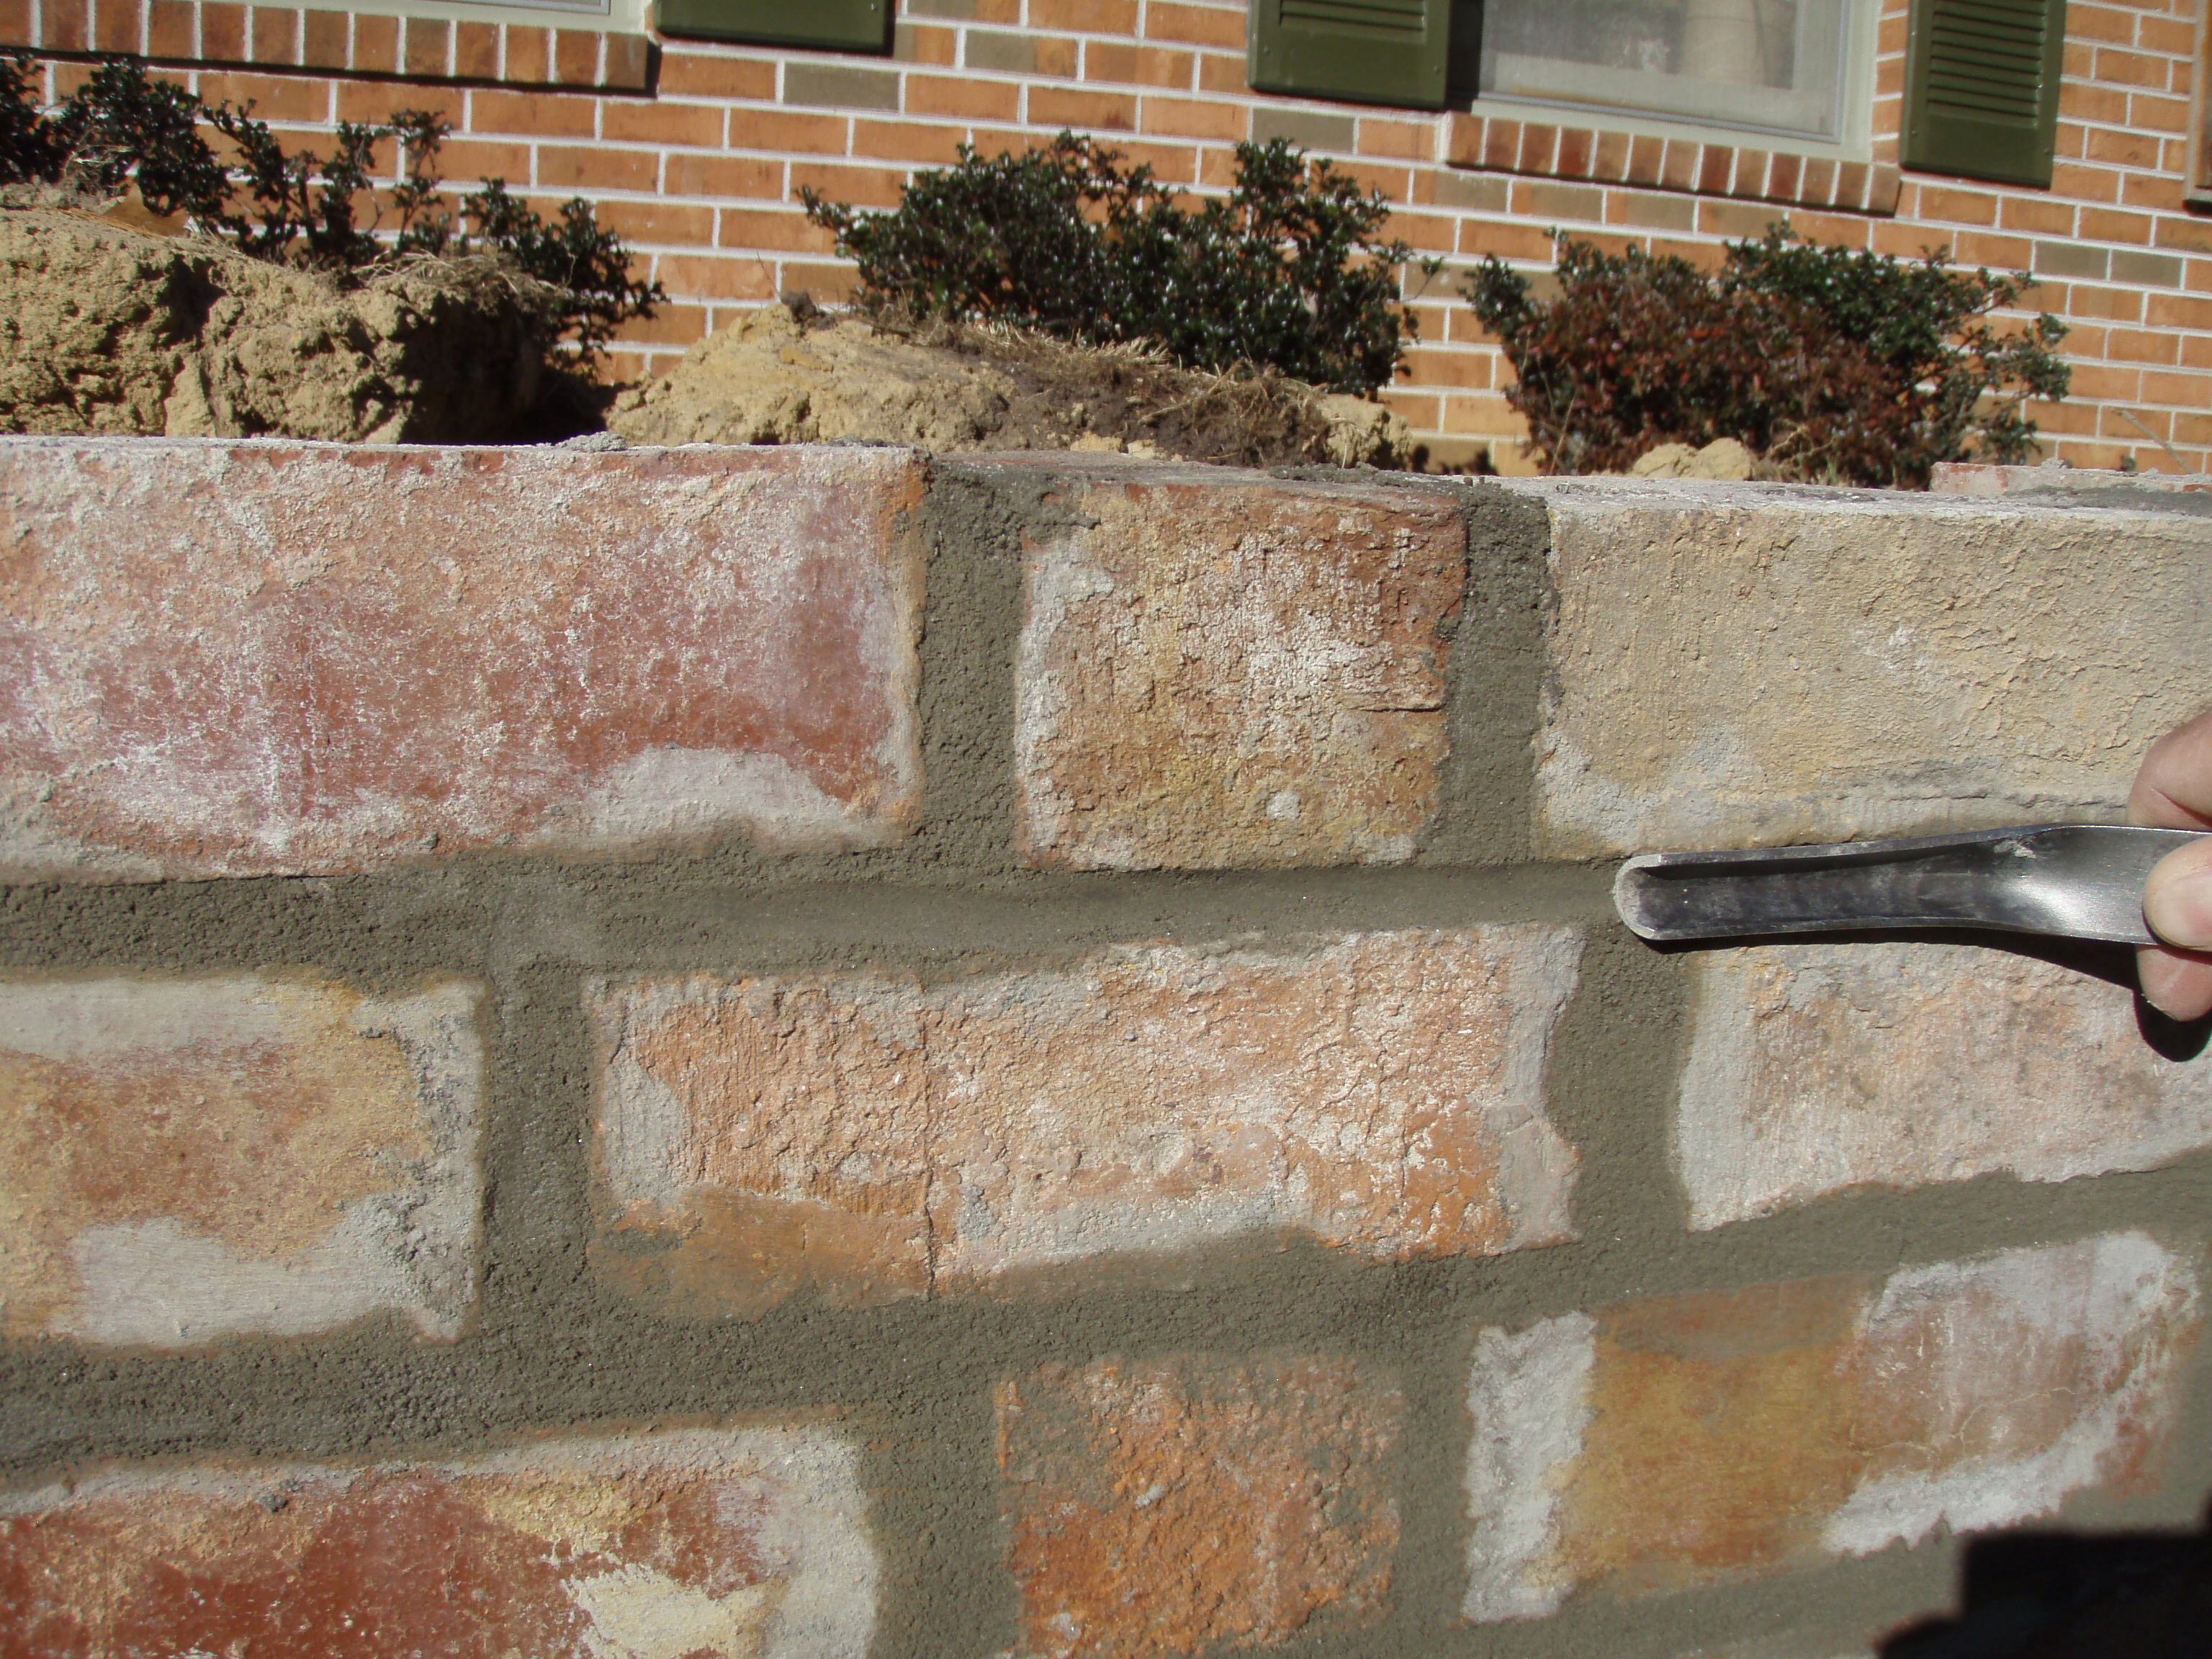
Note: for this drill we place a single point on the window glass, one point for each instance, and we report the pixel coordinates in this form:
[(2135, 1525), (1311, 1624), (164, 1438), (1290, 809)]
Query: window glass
[(1766, 65)]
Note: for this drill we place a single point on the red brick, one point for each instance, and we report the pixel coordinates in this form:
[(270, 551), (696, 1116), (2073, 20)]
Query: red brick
[(1538, 142), (115, 26), (831, 284), (470, 159), (628, 66), (1645, 157), (629, 121), (2104, 225), (66, 24), (476, 51), (1731, 1435), (963, 96), (169, 29), (15, 27), (323, 39), (701, 277), (576, 57), (742, 178), (614, 1545), (323, 1127), (1080, 109), (774, 231), (439, 694), (1223, 72), (275, 97), (1197, 26), (671, 326), (2179, 310), (658, 223), (689, 74), (529, 55), (1507, 241), (2140, 345), (1411, 140), (2160, 114), (864, 186), (375, 41), (1279, 767), (881, 1138), (2110, 304), (1121, 1476), (1577, 145)]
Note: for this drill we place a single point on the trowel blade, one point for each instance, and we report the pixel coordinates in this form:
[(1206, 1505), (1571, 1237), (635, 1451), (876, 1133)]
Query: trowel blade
[(2069, 880)]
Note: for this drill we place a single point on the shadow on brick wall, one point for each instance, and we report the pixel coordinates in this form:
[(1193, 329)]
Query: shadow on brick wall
[(2063, 1596)]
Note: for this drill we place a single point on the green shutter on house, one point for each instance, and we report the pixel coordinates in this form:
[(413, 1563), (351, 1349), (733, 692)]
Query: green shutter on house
[(1981, 96), (1364, 51), (847, 25)]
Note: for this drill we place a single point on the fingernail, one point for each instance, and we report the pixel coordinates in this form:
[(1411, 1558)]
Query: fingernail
[(2179, 909)]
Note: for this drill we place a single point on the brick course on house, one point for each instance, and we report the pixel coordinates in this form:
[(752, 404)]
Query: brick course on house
[(555, 1097), (696, 151)]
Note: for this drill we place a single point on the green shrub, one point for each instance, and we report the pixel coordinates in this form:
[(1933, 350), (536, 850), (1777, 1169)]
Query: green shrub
[(121, 128), (1286, 273), (1832, 365)]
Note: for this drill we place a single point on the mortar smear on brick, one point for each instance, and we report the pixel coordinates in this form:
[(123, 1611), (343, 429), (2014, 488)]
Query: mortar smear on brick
[(1719, 1436), (185, 1160), (1183, 1505), (1213, 676), (749, 1543), (1732, 664), (1382, 1093), (1817, 1067)]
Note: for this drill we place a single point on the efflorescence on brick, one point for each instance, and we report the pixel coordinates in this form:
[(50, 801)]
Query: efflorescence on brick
[(1194, 1503), (240, 660), (1722, 1435), (873, 1139), (745, 1543), (186, 1159)]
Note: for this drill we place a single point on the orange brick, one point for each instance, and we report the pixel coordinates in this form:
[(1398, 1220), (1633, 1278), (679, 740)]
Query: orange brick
[(575, 57), (1646, 156), (169, 26), (2116, 67), (1523, 242), (1847, 229), (1171, 164), (963, 96), (476, 51), (2160, 114), (323, 39), (2109, 380), (2037, 214), (1094, 111), (1396, 183), (2159, 193), (2103, 225), (2098, 105), (2108, 24), (2110, 304), (672, 324), (777, 232), (1085, 17), (1197, 26), (907, 141), (832, 284), (565, 168), (2191, 235), (724, 176), (789, 131), (2175, 36), (2071, 179), (1467, 370), (2131, 345), (637, 121), (919, 43), (696, 75), (1140, 66), (1970, 206), (537, 114), (530, 56), (2129, 149), (1538, 141), (472, 160), (659, 222), (698, 277), (222, 28), (1191, 118), (860, 186), (1221, 72), (274, 97), (1429, 233), (2189, 391), (2179, 310), (1650, 211), (1481, 416), (1980, 248)]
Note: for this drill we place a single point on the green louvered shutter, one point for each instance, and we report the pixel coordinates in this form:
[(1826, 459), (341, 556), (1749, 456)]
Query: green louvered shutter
[(1364, 51), (1981, 98), (840, 25)]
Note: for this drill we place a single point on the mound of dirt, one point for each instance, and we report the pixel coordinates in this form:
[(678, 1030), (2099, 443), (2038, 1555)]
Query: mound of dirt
[(108, 330), (772, 377)]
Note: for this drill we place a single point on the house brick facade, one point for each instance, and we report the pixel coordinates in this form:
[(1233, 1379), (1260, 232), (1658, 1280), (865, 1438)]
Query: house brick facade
[(697, 153)]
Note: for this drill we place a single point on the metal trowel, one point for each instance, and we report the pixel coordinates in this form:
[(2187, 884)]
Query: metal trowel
[(2069, 880)]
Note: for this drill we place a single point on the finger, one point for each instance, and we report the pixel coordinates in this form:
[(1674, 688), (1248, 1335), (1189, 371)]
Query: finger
[(2177, 983), (2178, 897), (2173, 787)]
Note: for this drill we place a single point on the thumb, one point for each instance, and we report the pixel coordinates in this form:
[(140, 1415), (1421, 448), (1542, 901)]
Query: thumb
[(2177, 897)]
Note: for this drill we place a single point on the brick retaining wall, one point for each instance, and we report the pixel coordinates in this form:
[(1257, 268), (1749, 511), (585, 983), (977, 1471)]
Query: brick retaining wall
[(823, 1052)]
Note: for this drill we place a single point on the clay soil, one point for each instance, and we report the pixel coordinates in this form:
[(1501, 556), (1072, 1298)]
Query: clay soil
[(781, 376)]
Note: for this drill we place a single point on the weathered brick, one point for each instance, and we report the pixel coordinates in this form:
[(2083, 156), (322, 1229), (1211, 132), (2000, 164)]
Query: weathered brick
[(1730, 666), (1816, 1067), (728, 1541), (1728, 1435), (1194, 1503), (871, 1138), (230, 660), (186, 1159), (1232, 673)]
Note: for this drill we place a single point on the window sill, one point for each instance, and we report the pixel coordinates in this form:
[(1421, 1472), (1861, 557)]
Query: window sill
[(214, 31), (1545, 150)]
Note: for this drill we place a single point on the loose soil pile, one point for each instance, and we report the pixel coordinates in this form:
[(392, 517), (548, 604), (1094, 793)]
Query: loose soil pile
[(109, 329), (775, 377)]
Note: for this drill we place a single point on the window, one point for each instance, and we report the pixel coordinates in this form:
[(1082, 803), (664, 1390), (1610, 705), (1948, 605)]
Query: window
[(1771, 66)]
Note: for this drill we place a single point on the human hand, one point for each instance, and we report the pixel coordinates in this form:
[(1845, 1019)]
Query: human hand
[(2174, 791)]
